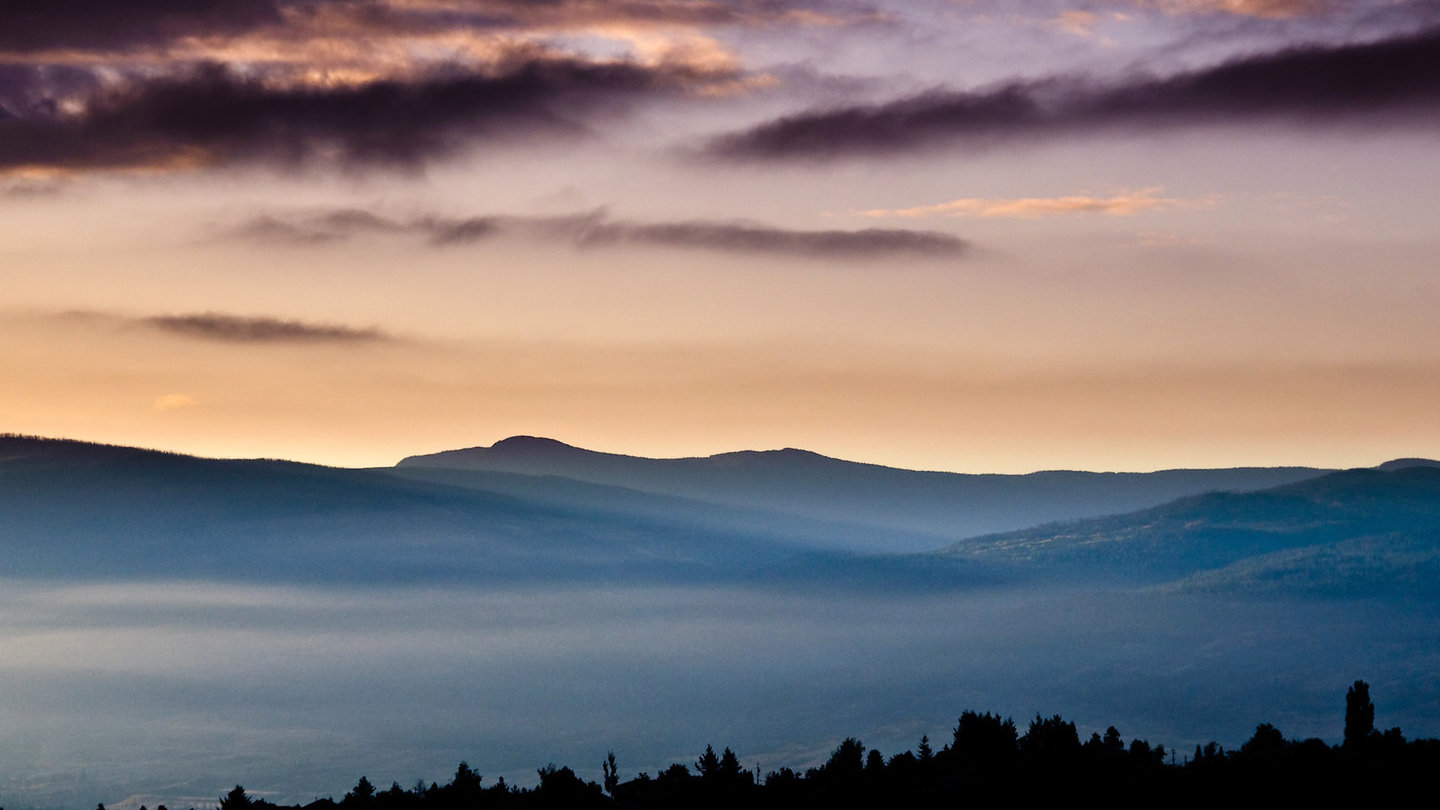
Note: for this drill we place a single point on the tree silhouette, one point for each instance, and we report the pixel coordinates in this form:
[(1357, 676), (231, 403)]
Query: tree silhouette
[(1051, 740), (612, 775), (560, 787), (987, 765), (677, 773), (1359, 716), (983, 739), (464, 790), (925, 753), (874, 765), (708, 765), (360, 796), (1267, 742), (846, 762), (730, 771), (236, 799)]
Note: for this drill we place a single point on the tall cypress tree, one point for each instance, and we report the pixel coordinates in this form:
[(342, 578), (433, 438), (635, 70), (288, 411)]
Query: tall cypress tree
[(1359, 716)]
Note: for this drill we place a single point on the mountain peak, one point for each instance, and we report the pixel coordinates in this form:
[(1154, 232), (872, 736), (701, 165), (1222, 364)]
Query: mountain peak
[(533, 455), (1405, 463), (788, 455), (531, 445)]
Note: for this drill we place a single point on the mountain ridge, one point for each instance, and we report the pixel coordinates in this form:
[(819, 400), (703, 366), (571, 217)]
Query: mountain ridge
[(71, 507), (936, 507), (1374, 520), (522, 446), (774, 504)]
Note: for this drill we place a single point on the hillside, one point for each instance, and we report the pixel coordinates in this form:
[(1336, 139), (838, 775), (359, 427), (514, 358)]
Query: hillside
[(1333, 534), (82, 510), (914, 510), (77, 509)]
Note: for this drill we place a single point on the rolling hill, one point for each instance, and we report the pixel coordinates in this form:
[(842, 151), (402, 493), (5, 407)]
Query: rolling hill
[(71, 509), (1351, 532), (76, 509), (888, 509)]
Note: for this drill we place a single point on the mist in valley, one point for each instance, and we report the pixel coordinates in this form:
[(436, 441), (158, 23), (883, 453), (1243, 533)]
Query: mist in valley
[(170, 692)]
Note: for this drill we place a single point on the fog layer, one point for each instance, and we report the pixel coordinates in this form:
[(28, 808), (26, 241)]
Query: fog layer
[(174, 691)]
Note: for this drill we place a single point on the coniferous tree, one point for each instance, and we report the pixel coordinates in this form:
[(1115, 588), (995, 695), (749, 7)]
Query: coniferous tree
[(708, 765), (846, 762), (236, 799), (874, 765), (730, 771), (360, 796), (1050, 739), (983, 740)]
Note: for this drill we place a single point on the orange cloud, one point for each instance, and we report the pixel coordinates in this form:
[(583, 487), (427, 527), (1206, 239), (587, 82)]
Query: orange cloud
[(1125, 204), (1079, 23), (170, 402), (1275, 9)]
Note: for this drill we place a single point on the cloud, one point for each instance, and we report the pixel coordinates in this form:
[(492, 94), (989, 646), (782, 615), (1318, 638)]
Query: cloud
[(1126, 204), (186, 84), (116, 28), (331, 226), (754, 238), (443, 231), (1078, 22), (212, 116), (171, 402), (35, 25), (238, 329), (588, 13), (597, 230), (25, 188), (1278, 9), (1383, 83)]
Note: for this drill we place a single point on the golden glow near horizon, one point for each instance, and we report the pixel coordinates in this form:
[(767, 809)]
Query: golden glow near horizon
[(936, 245)]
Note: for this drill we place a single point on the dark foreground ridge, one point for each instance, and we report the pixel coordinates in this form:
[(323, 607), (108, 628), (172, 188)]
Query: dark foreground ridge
[(987, 760)]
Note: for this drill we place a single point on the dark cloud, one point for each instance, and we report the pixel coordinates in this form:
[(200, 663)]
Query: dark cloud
[(28, 91), (559, 14), (869, 243), (30, 189), (267, 228), (1364, 85), (443, 231), (237, 329), (36, 25), (331, 226), (117, 26), (596, 230), (211, 116)]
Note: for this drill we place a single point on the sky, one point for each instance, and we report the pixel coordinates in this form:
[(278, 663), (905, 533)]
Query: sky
[(968, 235)]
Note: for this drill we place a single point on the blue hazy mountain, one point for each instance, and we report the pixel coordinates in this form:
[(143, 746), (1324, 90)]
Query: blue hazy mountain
[(76, 509), (680, 511), (256, 617), (1356, 532), (867, 506)]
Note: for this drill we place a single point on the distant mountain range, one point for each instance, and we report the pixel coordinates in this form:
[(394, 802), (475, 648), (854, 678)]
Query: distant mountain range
[(862, 506), (1364, 532), (75, 509), (537, 510)]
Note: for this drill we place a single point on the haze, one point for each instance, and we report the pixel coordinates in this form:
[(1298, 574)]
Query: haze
[(950, 235)]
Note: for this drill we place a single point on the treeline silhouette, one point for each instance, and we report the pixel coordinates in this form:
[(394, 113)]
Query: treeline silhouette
[(987, 759)]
